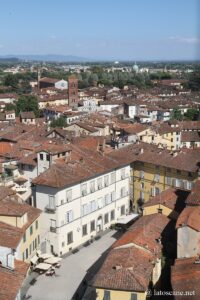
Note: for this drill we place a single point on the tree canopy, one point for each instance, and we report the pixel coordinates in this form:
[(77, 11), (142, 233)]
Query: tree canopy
[(27, 103), (60, 122)]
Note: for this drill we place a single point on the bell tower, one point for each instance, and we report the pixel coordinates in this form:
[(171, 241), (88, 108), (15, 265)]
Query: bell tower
[(73, 91)]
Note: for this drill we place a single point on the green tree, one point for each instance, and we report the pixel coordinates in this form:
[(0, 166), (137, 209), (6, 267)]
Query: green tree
[(60, 122), (10, 106), (28, 103), (192, 114), (11, 80), (176, 114)]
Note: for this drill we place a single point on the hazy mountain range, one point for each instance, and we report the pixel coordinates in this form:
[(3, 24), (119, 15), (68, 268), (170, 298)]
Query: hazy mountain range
[(46, 57)]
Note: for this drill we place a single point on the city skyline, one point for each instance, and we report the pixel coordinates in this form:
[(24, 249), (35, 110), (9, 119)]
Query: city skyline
[(128, 30)]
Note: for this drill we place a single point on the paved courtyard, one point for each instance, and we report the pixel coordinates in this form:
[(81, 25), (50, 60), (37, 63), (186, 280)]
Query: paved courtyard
[(74, 269)]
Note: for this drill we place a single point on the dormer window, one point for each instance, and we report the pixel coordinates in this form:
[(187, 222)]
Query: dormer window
[(41, 156)]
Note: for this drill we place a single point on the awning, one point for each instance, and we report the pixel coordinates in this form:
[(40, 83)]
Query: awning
[(43, 266), (53, 260), (20, 180), (45, 255), (125, 220), (34, 259), (10, 167)]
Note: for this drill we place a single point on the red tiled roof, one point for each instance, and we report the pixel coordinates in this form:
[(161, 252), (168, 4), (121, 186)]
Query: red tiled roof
[(185, 277), (11, 280), (127, 269), (171, 198), (190, 217), (10, 236), (145, 232), (190, 136), (49, 80), (194, 196)]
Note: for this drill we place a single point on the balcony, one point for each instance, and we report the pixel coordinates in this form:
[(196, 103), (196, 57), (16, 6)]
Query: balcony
[(50, 210), (52, 229)]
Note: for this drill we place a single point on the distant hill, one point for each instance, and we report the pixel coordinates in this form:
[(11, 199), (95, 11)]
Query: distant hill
[(9, 59), (48, 57)]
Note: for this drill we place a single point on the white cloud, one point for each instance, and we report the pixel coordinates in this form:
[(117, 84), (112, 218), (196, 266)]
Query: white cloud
[(185, 40)]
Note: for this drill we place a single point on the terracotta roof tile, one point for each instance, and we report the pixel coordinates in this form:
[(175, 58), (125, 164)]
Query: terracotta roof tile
[(10, 236), (185, 276), (171, 198), (194, 196), (190, 217), (127, 269), (11, 280)]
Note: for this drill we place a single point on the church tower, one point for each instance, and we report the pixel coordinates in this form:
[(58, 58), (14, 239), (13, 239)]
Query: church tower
[(73, 91)]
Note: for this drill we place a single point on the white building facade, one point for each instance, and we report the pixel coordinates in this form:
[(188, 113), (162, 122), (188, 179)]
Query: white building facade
[(75, 214)]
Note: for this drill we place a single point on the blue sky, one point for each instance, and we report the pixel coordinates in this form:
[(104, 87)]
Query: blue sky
[(104, 29)]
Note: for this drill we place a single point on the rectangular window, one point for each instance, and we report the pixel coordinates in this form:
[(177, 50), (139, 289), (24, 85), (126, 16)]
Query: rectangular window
[(69, 216), (84, 209), (36, 224), (48, 157), (142, 174), (41, 156), (26, 253), (112, 215), (106, 218), (35, 242), (31, 230), (38, 239), (133, 296), (168, 180), (93, 205), (30, 249), (92, 186), (107, 199), (84, 230), (153, 192), (69, 195), (122, 173), (99, 183), (113, 196), (157, 178), (52, 202), (106, 295), (92, 226), (106, 180), (112, 178), (122, 210), (157, 191), (70, 238), (100, 202), (123, 192), (84, 189), (24, 237)]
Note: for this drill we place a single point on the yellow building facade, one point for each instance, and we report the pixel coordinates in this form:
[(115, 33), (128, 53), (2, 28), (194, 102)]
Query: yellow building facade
[(150, 180), (119, 295), (30, 242)]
